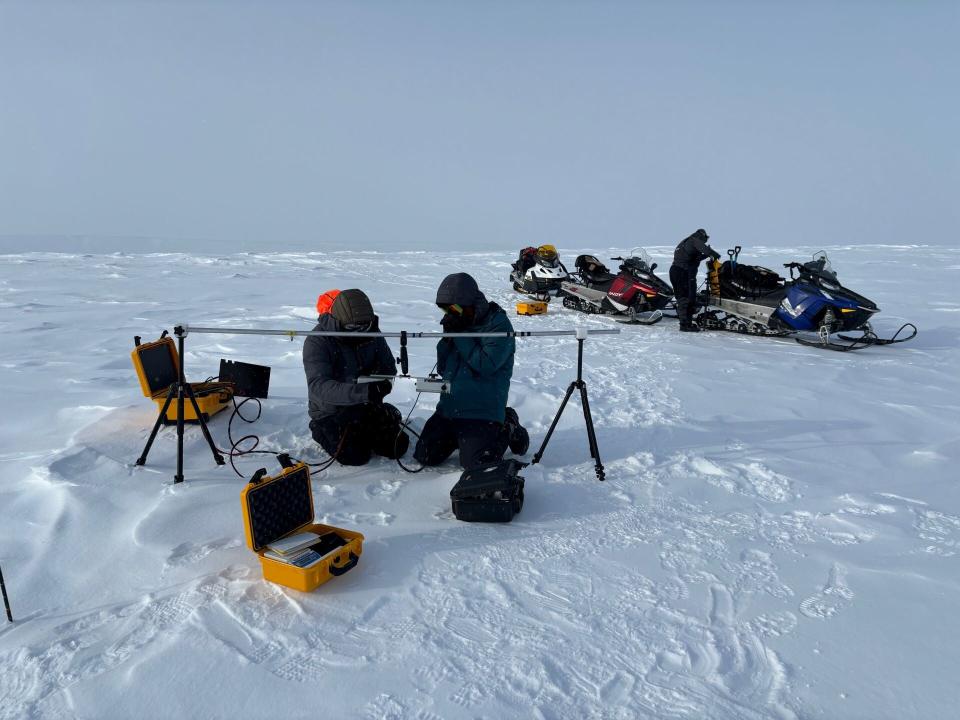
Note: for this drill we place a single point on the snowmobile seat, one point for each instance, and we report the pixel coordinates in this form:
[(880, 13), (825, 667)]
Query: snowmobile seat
[(592, 271), (749, 281), (772, 298)]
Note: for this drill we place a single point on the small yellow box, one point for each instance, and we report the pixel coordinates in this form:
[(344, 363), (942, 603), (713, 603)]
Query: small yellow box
[(280, 506), (158, 367), (533, 307)]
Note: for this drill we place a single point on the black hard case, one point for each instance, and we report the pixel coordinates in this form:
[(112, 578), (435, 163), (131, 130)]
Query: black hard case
[(489, 493)]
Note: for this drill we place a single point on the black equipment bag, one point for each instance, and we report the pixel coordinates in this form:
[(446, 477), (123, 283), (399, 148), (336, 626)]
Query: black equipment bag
[(489, 493), (738, 280)]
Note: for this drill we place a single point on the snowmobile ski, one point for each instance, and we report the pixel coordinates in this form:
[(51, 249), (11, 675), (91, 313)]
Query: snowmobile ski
[(857, 344), (651, 317), (870, 338)]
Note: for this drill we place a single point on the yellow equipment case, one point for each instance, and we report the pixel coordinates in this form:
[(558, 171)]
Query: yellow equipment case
[(281, 506), (158, 367), (533, 307)]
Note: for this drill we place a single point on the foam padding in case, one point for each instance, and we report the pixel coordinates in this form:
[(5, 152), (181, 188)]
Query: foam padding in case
[(279, 507)]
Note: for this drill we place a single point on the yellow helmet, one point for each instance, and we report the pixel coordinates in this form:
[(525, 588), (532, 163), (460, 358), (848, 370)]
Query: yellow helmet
[(547, 254)]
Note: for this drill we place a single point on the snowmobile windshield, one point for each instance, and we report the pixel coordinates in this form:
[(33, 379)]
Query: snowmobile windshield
[(820, 265), (547, 256), (641, 258), (821, 259)]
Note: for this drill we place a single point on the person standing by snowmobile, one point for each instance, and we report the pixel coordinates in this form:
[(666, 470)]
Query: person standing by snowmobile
[(350, 420), (689, 254), (473, 417)]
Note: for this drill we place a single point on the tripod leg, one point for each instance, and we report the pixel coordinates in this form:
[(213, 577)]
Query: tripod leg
[(553, 425), (142, 460), (6, 600), (179, 476), (203, 426), (591, 434)]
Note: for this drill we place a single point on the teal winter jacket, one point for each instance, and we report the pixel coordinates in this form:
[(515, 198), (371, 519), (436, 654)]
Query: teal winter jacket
[(478, 369)]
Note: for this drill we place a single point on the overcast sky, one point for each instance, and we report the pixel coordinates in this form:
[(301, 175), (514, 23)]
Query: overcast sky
[(479, 124)]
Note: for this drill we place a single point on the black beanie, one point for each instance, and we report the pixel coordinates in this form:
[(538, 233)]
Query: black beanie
[(352, 307)]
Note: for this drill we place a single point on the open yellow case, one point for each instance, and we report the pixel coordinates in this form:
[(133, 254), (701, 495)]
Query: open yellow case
[(158, 367), (280, 506)]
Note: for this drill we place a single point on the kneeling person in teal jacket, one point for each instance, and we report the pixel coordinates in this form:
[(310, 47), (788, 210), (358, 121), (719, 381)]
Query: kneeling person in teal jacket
[(473, 417)]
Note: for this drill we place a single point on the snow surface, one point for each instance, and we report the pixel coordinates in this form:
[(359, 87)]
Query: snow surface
[(778, 536)]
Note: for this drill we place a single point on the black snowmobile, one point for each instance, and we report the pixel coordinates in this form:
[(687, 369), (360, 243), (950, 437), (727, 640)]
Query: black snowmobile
[(635, 292), (755, 300)]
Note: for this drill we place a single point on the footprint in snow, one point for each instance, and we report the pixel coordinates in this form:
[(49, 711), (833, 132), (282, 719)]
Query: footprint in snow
[(833, 598), (864, 508), (189, 553), (364, 519), (774, 624), (940, 530)]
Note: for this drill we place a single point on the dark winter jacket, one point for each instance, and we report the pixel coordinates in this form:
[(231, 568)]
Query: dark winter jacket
[(333, 365), (478, 369), (692, 250)]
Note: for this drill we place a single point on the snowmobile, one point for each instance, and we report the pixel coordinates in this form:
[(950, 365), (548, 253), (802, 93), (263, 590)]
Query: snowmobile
[(755, 300), (538, 272), (635, 292)]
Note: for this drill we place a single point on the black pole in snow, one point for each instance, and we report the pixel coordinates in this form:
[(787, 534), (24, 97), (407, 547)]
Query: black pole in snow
[(6, 600)]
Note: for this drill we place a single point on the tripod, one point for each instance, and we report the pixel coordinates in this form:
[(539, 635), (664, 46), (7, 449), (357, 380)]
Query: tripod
[(580, 385), (182, 389)]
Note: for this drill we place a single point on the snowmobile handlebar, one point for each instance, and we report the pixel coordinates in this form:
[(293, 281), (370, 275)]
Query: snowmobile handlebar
[(623, 260), (801, 268), (791, 266)]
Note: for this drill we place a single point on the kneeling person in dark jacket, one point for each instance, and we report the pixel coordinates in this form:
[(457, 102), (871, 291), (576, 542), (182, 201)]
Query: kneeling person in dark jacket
[(350, 420), (473, 417), (689, 254)]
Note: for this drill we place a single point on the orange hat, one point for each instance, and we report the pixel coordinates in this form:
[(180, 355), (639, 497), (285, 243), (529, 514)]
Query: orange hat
[(325, 301)]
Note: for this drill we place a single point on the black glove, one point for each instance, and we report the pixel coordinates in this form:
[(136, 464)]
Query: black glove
[(451, 322), (379, 390), (714, 254)]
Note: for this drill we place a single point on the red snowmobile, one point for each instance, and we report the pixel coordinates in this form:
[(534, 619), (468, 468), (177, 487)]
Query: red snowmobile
[(635, 292)]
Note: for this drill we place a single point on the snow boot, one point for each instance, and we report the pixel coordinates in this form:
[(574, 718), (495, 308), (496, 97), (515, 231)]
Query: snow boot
[(518, 437), (689, 327)]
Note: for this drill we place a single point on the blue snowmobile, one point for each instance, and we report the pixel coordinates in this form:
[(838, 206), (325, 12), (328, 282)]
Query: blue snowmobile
[(755, 300)]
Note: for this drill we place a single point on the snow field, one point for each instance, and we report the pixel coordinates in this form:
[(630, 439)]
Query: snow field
[(777, 537)]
